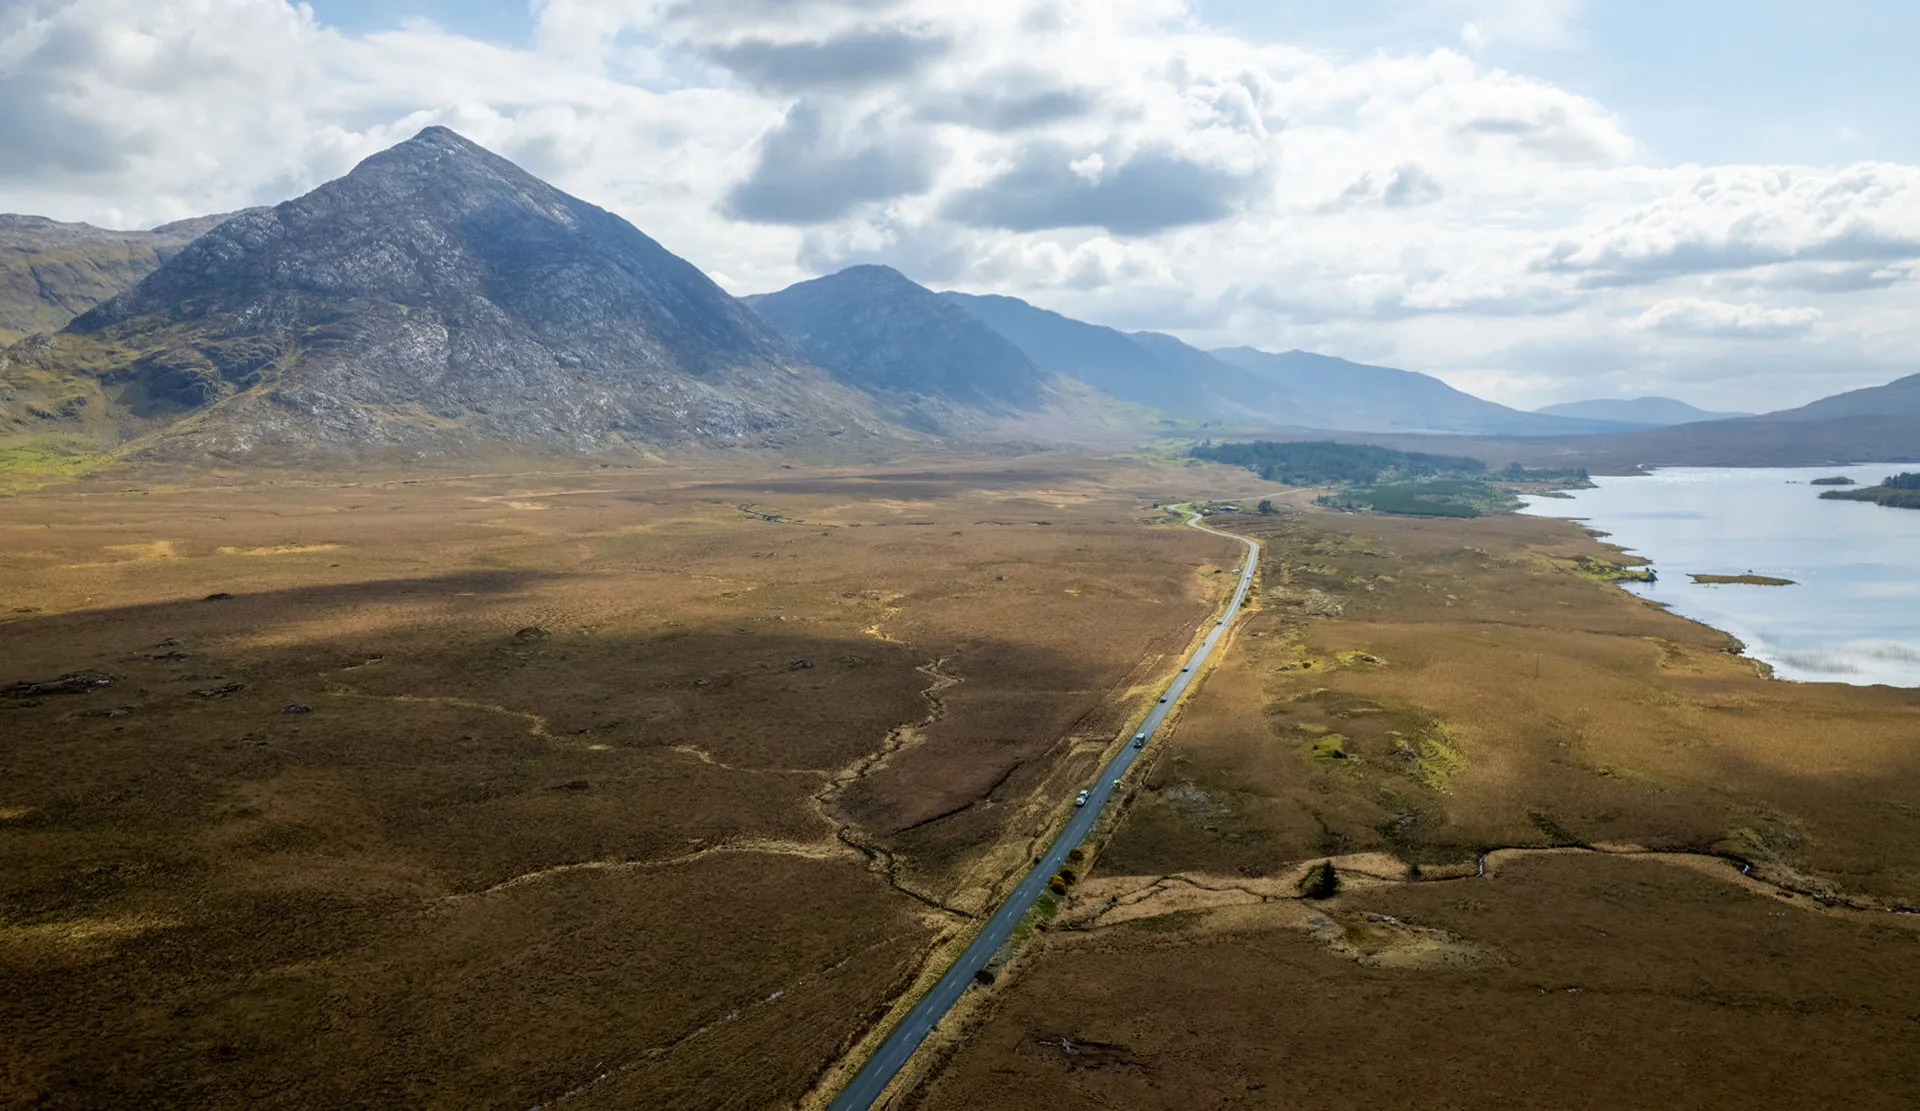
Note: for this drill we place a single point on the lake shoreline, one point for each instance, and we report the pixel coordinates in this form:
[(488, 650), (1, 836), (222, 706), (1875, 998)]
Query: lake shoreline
[(1853, 613)]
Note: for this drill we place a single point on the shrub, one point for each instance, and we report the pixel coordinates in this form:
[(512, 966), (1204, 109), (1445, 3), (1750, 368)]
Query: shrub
[(1321, 881)]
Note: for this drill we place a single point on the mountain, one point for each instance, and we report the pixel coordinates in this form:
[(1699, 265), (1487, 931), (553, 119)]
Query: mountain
[(1880, 424), (1225, 390), (1100, 357), (436, 299), (51, 272), (1146, 369), (1898, 398), (1357, 397), (931, 362), (1652, 412), (1251, 386)]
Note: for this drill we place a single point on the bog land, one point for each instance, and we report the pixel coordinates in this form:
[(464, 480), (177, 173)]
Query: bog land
[(618, 787), (1587, 856), (664, 786)]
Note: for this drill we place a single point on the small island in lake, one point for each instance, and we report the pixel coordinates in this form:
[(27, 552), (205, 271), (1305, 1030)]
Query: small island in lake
[(1836, 480), (1749, 579), (1901, 491)]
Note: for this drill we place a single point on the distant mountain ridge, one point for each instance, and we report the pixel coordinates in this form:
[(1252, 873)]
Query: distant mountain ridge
[(1898, 398), (1248, 385), (436, 298), (1879, 424), (1652, 412), (1352, 396)]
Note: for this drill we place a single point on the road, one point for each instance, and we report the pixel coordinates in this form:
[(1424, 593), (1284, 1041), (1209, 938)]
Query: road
[(880, 1069)]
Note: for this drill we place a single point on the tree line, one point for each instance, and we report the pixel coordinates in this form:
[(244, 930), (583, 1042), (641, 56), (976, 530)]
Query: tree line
[(1322, 463)]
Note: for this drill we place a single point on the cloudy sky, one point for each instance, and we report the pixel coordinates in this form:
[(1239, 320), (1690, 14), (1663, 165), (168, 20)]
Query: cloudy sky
[(1539, 200)]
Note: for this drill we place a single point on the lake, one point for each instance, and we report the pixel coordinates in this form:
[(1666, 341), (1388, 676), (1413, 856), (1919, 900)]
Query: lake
[(1854, 615)]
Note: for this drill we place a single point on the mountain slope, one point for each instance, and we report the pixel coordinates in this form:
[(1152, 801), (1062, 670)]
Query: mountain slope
[(1354, 396), (934, 364), (1898, 398), (435, 298), (1651, 412), (1224, 390), (51, 272), (1100, 357), (1145, 369)]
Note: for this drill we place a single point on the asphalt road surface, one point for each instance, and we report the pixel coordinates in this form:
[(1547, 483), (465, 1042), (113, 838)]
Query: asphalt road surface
[(880, 1069)]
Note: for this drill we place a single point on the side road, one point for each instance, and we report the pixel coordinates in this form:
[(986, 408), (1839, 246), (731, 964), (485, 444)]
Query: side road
[(886, 1062)]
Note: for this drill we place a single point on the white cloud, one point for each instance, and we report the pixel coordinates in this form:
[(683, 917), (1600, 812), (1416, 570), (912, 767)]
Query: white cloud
[(1696, 316), (1742, 217), (1114, 159), (1535, 24)]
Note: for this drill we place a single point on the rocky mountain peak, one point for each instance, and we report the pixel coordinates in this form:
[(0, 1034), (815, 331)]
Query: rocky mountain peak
[(439, 293), (440, 222)]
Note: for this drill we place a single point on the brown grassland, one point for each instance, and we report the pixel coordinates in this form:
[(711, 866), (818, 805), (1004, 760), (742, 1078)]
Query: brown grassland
[(617, 788), (663, 787), (1538, 792)]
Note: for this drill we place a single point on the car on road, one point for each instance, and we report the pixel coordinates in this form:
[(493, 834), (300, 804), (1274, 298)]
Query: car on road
[(1163, 698), (1189, 667), (1139, 740), (1080, 799)]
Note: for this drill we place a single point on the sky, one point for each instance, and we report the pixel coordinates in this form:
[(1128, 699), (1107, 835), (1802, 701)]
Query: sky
[(1536, 200)]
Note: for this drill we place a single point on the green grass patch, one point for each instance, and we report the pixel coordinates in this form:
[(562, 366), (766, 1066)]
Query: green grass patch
[(1333, 746), (1043, 911), (1436, 761), (35, 462), (1605, 571)]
